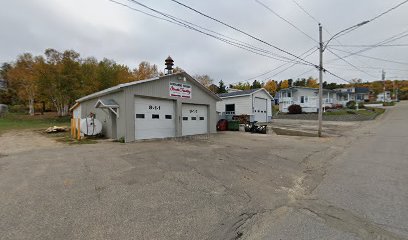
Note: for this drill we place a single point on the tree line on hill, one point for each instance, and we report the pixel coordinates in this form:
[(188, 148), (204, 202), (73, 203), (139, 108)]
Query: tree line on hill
[(273, 86), (55, 79)]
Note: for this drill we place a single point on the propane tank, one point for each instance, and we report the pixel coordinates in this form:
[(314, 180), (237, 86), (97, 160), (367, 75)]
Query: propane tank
[(91, 126)]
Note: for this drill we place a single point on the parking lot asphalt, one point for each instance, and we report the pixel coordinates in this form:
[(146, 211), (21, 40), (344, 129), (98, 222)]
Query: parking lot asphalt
[(175, 189)]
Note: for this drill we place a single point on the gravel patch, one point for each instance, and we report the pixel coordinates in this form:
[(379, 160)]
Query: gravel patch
[(313, 116)]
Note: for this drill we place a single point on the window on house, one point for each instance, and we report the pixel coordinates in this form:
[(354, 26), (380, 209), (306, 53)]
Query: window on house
[(302, 99), (193, 118), (230, 107), (289, 94), (168, 116), (155, 116), (201, 118), (185, 118), (140, 116)]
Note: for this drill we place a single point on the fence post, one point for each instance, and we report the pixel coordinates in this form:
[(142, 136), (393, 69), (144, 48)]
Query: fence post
[(79, 129)]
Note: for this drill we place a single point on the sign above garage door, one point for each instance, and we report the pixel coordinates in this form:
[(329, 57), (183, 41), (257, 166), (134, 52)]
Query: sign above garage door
[(180, 90)]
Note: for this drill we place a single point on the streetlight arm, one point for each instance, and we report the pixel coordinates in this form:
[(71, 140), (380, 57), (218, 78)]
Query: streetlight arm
[(347, 29)]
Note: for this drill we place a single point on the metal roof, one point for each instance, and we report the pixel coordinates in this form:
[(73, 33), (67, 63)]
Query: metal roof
[(124, 85), (107, 103), (242, 93), (362, 90)]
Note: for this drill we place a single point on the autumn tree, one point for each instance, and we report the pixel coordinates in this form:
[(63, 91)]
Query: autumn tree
[(23, 76), (284, 84), (312, 83), (204, 80), (7, 95), (60, 78), (145, 70), (271, 86), (241, 86)]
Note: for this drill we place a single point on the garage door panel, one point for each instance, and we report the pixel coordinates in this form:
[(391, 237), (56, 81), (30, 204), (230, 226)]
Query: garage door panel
[(154, 118), (260, 109), (194, 119)]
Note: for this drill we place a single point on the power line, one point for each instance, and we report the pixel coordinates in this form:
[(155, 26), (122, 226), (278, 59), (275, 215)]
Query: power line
[(376, 68), (306, 12), (375, 58), (276, 68), (285, 20), (337, 76), (370, 46), (289, 66), (389, 10), (349, 63), (386, 41), (238, 30), (186, 24), (374, 18)]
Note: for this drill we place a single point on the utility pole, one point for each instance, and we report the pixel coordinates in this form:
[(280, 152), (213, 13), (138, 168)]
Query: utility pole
[(383, 79), (321, 49)]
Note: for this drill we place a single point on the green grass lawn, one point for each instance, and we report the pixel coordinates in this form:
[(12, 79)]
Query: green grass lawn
[(18, 121)]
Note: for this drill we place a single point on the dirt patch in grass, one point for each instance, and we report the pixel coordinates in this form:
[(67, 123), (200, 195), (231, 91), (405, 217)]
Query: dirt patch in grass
[(65, 137), (18, 121)]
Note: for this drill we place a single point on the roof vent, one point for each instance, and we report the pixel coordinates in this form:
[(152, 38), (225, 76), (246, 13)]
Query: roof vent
[(169, 66)]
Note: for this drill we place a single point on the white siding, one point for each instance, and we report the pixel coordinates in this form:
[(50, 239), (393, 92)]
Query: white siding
[(263, 94), (243, 104)]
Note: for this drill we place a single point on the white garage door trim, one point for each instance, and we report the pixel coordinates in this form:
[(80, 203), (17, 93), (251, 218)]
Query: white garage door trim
[(261, 109), (154, 118), (194, 119)]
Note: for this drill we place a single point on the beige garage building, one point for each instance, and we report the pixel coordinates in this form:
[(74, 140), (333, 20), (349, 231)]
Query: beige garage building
[(172, 105)]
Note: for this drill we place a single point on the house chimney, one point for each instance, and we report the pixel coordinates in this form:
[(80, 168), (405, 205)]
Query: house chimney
[(169, 66)]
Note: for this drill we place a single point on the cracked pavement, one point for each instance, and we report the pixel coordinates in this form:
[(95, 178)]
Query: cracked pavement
[(230, 186)]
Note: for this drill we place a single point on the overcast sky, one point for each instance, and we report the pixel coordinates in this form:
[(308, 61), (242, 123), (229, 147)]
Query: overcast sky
[(101, 29)]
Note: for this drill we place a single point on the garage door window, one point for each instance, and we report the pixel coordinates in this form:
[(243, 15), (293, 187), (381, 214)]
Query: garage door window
[(185, 118), (140, 116), (168, 117), (155, 116), (193, 118), (201, 118)]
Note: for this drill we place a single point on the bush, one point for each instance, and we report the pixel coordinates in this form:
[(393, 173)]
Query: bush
[(386, 104), (351, 105), (18, 109), (361, 105), (295, 109)]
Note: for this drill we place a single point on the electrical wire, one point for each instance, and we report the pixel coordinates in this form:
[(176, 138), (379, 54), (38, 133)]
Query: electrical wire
[(376, 68), (349, 63), (290, 66), (241, 31), (369, 46), (186, 24), (306, 12), (285, 20), (274, 69), (365, 56), (389, 10)]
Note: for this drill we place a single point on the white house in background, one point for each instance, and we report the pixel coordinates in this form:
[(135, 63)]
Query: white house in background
[(306, 97), (384, 97), (358, 94), (257, 103)]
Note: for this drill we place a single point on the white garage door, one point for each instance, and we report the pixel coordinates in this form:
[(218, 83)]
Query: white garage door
[(194, 119), (154, 118), (260, 109)]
